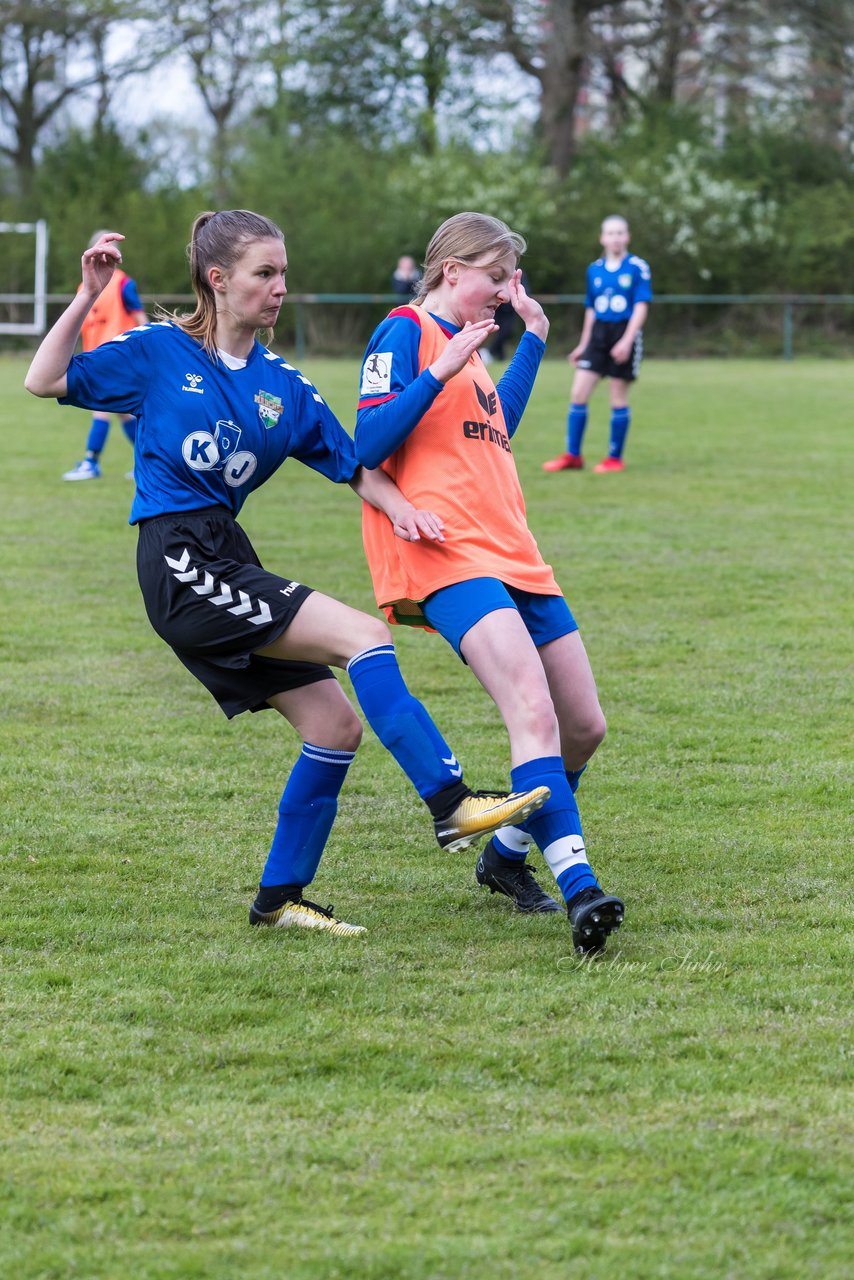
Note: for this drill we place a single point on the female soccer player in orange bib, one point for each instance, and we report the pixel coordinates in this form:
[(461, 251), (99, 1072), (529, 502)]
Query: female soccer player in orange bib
[(430, 415)]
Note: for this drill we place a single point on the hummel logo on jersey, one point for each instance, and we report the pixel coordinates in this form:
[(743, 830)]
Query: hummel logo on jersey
[(488, 402), (193, 379)]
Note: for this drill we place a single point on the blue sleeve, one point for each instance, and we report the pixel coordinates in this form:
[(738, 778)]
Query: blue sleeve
[(516, 383), (394, 396), (114, 377), (318, 438), (643, 281), (131, 300), (588, 296)]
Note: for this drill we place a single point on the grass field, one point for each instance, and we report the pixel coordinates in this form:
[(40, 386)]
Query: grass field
[(454, 1095)]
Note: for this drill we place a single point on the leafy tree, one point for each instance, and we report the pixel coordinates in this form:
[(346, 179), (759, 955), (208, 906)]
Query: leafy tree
[(51, 53)]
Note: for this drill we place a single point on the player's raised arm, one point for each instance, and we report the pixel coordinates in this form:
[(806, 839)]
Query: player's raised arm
[(46, 376)]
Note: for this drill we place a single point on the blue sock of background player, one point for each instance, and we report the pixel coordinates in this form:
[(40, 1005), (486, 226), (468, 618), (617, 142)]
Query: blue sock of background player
[(97, 438), (620, 422), (99, 431), (576, 424)]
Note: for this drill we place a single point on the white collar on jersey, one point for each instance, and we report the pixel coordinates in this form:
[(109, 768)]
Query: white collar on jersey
[(231, 362)]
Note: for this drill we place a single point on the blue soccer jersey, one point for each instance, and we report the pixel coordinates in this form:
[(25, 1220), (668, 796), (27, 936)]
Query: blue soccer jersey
[(613, 295), (207, 435)]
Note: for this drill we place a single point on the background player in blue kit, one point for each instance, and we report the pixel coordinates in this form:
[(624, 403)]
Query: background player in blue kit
[(217, 415), (117, 309), (619, 291)]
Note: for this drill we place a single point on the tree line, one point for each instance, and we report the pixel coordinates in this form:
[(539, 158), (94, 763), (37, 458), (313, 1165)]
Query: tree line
[(722, 128)]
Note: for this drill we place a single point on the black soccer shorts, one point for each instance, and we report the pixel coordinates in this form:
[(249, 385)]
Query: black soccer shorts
[(207, 595), (596, 356)]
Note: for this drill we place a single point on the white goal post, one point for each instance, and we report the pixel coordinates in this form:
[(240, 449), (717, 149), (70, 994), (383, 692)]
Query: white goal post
[(38, 298)]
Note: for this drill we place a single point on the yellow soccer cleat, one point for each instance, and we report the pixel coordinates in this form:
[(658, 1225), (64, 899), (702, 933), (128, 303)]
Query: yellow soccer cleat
[(301, 914), (482, 812)]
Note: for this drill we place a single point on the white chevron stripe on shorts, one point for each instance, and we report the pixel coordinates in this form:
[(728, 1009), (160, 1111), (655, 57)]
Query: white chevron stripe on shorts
[(182, 572)]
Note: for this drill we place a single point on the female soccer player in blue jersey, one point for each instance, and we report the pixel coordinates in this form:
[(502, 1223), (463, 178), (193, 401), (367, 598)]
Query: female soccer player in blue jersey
[(619, 291), (217, 415), (431, 416)]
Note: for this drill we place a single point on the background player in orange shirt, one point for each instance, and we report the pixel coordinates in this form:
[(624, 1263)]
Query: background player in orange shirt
[(119, 308), (431, 416)]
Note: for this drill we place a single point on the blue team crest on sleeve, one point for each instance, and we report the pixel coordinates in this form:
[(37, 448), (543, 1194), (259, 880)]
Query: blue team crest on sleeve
[(269, 408)]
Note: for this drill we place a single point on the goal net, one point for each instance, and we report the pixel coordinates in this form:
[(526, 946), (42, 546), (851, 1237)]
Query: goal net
[(24, 259)]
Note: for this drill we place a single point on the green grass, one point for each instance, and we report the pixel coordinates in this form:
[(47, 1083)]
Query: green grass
[(453, 1095)]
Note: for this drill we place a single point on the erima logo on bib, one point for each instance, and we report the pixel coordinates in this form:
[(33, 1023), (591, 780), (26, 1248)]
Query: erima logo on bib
[(376, 374)]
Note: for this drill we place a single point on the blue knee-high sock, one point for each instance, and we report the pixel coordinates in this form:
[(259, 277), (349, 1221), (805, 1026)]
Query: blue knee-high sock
[(98, 433), (306, 812), (557, 826), (620, 423), (513, 842), (573, 777), (401, 723), (576, 424), (129, 428)]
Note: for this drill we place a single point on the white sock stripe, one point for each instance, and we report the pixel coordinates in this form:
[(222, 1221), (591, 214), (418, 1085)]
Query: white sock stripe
[(375, 652), (514, 838), (329, 755), (568, 851)]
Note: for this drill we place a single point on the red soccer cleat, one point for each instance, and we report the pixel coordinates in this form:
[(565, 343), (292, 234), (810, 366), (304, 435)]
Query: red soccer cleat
[(609, 464), (566, 462)]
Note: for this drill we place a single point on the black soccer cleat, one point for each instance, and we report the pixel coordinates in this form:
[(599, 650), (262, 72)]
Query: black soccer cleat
[(592, 916), (514, 879)]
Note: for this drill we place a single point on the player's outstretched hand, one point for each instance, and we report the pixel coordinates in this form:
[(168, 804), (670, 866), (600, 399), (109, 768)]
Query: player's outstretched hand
[(413, 524), (575, 354), (527, 308), (461, 348), (99, 262)]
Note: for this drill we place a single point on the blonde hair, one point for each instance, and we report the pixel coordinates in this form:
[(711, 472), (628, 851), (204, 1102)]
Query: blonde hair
[(614, 217), (467, 237), (219, 240)]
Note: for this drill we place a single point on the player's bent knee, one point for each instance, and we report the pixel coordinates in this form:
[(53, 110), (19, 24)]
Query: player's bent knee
[(541, 722), (370, 633), (591, 735), (349, 735), (341, 732)]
